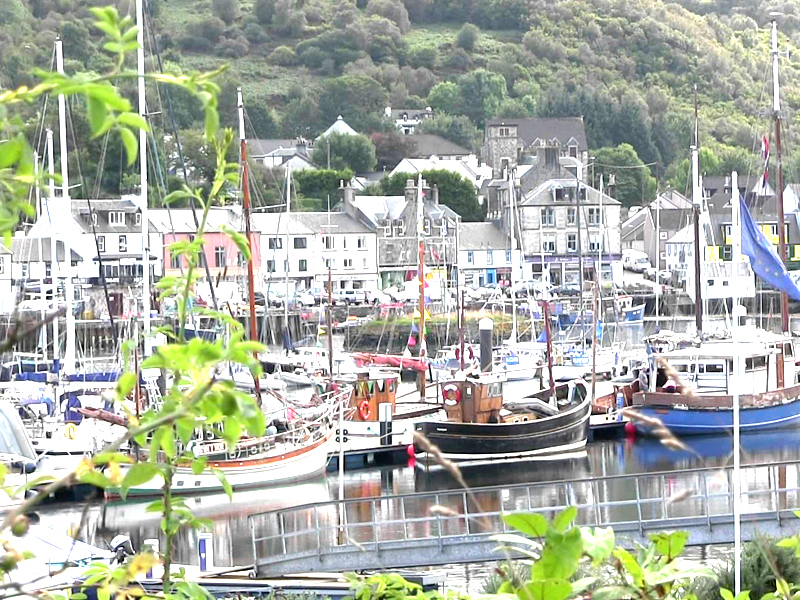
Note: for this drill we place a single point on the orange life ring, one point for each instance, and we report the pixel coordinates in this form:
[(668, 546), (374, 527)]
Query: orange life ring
[(364, 410), (451, 394)]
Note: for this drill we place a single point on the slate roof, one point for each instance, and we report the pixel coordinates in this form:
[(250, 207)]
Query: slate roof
[(307, 223), (430, 144), (482, 236), (128, 205), (339, 126), (264, 147), (26, 250), (562, 129)]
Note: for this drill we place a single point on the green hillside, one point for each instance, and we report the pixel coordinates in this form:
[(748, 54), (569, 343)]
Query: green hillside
[(628, 66)]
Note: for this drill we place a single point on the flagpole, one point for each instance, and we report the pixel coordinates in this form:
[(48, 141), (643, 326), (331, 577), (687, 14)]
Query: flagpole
[(776, 108), (736, 260)]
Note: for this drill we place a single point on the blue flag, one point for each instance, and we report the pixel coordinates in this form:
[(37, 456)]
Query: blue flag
[(763, 258)]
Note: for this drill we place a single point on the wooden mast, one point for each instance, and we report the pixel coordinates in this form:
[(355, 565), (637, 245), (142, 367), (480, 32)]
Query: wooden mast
[(776, 109), (246, 215), (421, 241)]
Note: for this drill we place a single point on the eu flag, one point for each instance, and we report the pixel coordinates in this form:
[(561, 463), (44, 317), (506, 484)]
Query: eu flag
[(763, 258)]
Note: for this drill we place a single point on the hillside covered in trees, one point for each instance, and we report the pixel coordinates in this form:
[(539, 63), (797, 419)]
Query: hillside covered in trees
[(628, 66)]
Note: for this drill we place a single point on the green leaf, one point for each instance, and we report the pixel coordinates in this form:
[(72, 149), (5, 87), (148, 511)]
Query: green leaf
[(239, 239), (545, 589), (137, 475), (669, 544), (185, 429), (224, 481), (532, 524), (97, 479), (630, 565), (97, 112), (199, 464), (614, 592), (599, 544), (581, 585), (560, 556), (133, 121), (726, 594), (10, 151), (168, 441), (211, 121), (564, 519), (130, 143), (125, 384)]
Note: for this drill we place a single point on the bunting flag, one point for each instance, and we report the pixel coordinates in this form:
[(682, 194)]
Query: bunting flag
[(414, 328), (765, 156), (416, 313), (320, 330), (436, 254), (411, 341)]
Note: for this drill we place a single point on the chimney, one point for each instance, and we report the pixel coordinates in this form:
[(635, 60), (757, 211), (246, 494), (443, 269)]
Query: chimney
[(436, 195), (348, 198), (411, 190)]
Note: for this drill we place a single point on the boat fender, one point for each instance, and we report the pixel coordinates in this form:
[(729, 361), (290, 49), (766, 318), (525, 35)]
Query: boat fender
[(70, 431), (451, 394), (470, 353), (364, 410)]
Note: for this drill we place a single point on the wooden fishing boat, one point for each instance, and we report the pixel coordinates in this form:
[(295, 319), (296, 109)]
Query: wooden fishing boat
[(482, 425)]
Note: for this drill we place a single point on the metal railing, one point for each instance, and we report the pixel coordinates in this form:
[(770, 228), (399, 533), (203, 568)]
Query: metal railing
[(698, 500)]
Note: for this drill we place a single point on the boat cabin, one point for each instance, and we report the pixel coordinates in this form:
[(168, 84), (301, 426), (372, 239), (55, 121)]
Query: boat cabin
[(474, 399), (709, 368), (371, 388)]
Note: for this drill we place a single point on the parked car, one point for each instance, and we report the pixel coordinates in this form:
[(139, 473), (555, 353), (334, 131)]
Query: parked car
[(567, 289), (378, 297), (635, 260), (320, 295), (402, 294), (350, 296)]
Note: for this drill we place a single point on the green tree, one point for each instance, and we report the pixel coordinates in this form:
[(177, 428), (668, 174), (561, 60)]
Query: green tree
[(445, 97), (634, 185), (227, 10), (354, 97), (392, 10), (459, 130), (77, 40), (391, 148), (468, 36), (482, 92), (264, 10), (320, 184), (12, 13), (454, 191), (354, 152)]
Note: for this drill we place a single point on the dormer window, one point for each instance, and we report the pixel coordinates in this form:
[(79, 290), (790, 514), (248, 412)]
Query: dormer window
[(573, 151), (138, 219), (116, 218)]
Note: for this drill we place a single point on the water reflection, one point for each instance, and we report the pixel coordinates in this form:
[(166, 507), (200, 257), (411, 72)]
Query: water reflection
[(231, 524)]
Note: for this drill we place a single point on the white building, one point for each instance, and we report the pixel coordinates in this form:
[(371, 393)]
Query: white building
[(468, 168), (485, 256), (408, 119), (309, 243)]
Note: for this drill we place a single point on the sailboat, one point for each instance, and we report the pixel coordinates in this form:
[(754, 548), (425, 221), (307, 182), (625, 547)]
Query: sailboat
[(767, 392)]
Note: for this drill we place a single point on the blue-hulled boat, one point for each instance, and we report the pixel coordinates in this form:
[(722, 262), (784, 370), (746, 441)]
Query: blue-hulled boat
[(701, 402)]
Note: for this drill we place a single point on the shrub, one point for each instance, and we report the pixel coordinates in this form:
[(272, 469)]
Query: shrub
[(392, 10), (283, 56), (424, 56), (254, 33), (234, 47), (459, 60), (264, 10), (468, 36), (227, 10)]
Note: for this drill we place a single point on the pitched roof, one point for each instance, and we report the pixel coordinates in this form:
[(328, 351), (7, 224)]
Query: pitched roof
[(27, 250), (180, 220), (430, 144), (264, 147), (412, 113), (543, 194), (339, 126), (482, 236), (562, 129), (308, 223)]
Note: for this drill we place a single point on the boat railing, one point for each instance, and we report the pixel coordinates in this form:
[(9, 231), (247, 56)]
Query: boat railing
[(698, 499)]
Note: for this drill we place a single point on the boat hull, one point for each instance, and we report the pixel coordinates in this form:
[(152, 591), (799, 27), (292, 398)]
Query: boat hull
[(559, 434), (719, 421)]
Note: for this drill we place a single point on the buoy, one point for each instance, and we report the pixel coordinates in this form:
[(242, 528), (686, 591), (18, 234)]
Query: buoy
[(411, 451), (70, 431), (364, 410), (451, 394), (630, 429)]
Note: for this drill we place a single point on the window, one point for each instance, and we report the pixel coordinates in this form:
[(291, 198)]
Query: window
[(489, 257), (727, 253), (470, 257), (285, 266), (548, 217), (101, 243), (594, 242), (240, 260), (24, 271), (508, 257), (47, 269), (663, 235), (175, 261), (138, 218), (116, 218), (364, 262), (572, 242), (573, 151), (362, 242), (123, 243), (329, 263), (327, 242), (344, 242), (571, 216), (275, 243), (348, 263), (594, 216), (303, 264), (549, 242), (300, 243), (270, 266), (219, 256), (94, 218)]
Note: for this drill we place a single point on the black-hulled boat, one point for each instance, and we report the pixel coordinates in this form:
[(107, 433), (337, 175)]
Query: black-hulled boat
[(481, 425)]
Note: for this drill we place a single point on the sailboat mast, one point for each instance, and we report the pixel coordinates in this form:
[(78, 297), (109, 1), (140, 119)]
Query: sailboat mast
[(286, 264), (39, 213), (148, 348), (578, 209), (246, 214), (66, 215), (421, 241), (513, 195), (776, 115), (696, 201), (51, 187)]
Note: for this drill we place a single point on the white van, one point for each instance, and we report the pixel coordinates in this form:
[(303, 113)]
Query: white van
[(635, 260)]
